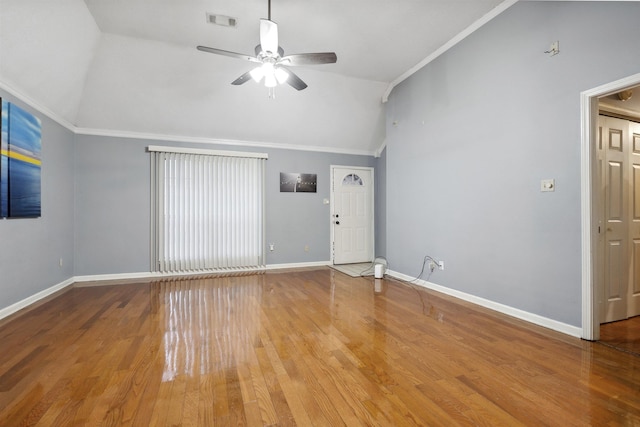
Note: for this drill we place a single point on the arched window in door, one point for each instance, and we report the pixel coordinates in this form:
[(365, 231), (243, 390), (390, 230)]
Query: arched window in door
[(352, 179)]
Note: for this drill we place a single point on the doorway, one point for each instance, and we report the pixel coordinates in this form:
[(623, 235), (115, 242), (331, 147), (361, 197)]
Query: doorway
[(618, 246), (592, 204), (352, 220)]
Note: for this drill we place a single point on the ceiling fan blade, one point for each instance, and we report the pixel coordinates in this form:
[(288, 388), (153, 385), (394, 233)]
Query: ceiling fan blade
[(242, 79), (227, 53), (295, 82), (269, 36), (309, 58)]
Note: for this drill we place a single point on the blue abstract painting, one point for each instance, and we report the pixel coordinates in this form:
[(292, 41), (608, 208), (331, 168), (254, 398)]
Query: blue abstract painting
[(20, 162)]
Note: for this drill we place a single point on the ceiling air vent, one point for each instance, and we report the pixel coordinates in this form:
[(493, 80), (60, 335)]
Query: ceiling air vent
[(225, 21)]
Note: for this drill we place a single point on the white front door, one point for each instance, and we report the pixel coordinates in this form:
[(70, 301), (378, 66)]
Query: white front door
[(352, 214), (619, 157)]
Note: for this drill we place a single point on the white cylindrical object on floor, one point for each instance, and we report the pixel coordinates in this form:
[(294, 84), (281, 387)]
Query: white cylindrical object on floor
[(378, 271), (377, 285)]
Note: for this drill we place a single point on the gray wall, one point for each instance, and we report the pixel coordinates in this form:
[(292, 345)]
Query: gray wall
[(112, 204), (381, 204), (32, 248), (476, 130), (296, 220)]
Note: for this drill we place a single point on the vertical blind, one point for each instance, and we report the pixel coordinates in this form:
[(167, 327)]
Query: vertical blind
[(207, 210)]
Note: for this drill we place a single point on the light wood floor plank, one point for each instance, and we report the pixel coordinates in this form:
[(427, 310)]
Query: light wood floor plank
[(308, 347)]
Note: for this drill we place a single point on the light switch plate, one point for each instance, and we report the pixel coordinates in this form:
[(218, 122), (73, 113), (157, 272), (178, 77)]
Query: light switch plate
[(548, 185)]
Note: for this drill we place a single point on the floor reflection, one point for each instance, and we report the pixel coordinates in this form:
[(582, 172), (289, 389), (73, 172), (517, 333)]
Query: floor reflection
[(207, 324), (623, 335)]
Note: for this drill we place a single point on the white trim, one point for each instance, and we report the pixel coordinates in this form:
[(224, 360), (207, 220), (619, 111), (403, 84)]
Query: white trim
[(448, 45), (299, 265), (10, 88), (183, 150), (13, 308), (159, 275), (371, 170), (203, 140), (588, 117), (37, 106), (380, 149), (119, 276), (618, 111), (545, 322)]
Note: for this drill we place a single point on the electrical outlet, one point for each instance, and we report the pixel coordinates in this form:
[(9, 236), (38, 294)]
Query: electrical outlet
[(306, 248), (60, 263), (441, 265)]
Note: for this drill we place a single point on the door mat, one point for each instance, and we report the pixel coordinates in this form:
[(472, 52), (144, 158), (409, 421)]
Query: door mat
[(355, 270)]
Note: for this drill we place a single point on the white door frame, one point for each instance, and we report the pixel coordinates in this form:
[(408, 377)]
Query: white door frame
[(372, 207), (589, 204)]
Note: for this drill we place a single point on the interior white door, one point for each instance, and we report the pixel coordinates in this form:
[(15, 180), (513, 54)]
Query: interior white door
[(352, 214), (619, 148), (634, 220)]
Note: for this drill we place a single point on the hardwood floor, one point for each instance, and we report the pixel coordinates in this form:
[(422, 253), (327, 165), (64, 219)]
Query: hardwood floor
[(309, 348), (623, 335)]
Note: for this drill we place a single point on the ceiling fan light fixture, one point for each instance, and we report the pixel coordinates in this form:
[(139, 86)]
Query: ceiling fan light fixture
[(270, 56), (269, 72), (270, 80), (281, 75), (257, 74)]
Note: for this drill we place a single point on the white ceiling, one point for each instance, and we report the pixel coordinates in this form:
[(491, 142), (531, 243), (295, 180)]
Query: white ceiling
[(131, 67)]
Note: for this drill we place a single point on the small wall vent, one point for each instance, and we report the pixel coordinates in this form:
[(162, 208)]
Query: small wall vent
[(225, 21)]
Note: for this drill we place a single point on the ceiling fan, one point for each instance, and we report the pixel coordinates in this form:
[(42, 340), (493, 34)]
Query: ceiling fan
[(273, 63)]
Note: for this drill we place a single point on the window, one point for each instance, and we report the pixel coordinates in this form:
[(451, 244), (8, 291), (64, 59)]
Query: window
[(208, 210), (352, 179)]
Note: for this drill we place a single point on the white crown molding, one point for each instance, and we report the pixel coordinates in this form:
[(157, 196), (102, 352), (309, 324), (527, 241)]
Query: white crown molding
[(380, 149), (564, 328), (10, 88), (203, 140), (448, 45)]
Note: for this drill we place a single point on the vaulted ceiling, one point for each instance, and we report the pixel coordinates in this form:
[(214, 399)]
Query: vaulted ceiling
[(115, 67)]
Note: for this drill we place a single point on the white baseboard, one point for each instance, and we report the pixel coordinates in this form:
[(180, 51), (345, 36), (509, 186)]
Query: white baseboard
[(118, 276), (501, 308), (13, 308), (152, 275), (298, 265)]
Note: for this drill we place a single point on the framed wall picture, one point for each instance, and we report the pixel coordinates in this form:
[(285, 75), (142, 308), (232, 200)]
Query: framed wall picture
[(20, 162), (293, 182)]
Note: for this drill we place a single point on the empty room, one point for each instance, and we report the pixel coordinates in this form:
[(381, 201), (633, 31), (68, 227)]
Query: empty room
[(319, 213)]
